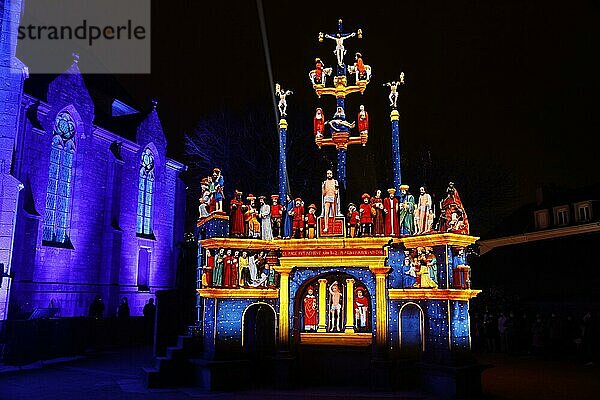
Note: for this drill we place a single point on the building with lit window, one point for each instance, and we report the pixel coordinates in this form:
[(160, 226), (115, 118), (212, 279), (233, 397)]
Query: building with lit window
[(84, 210)]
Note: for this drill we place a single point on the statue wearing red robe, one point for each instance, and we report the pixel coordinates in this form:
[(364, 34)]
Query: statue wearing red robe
[(310, 311), (363, 120), (236, 216), (298, 220), (210, 266), (390, 210), (453, 216), (319, 122), (361, 311), (228, 265)]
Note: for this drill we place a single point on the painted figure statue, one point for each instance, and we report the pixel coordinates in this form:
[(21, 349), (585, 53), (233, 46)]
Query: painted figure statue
[(361, 310), (310, 311), (251, 218), (335, 308), (318, 76), (366, 216), (390, 209), (461, 272), (362, 71), (203, 209), (424, 214), (338, 123), (311, 222), (287, 217), (282, 94), (424, 273), (207, 277), (406, 218), (393, 85), (266, 229), (378, 220), (227, 268), (409, 271), (244, 265), (277, 211), (236, 215), (298, 219), (252, 260), (353, 220), (339, 38), (319, 122), (453, 217), (219, 183), (431, 260), (330, 190), (235, 272), (218, 271), (363, 120)]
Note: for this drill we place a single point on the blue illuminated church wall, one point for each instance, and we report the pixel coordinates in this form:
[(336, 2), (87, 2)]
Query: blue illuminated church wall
[(82, 228), (12, 75)]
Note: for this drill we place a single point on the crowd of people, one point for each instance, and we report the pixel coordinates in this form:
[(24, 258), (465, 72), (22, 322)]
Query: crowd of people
[(270, 217), (502, 325)]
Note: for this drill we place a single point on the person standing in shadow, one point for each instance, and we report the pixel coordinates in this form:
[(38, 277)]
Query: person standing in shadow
[(149, 317)]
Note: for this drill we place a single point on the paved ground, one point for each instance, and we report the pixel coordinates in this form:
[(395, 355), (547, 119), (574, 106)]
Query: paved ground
[(117, 375)]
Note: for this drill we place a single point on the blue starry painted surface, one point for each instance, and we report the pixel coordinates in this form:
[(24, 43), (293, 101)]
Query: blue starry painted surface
[(395, 261), (436, 325), (229, 319), (459, 312), (209, 325)]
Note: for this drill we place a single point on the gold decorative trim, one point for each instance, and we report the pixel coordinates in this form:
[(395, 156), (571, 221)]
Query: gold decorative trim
[(432, 294), (336, 339), (336, 261), (436, 239), (241, 293), (394, 115)]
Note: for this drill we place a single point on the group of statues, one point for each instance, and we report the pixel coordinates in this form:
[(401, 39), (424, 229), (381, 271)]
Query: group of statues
[(335, 306), (230, 268), (212, 195), (338, 123), (393, 215), (400, 215), (420, 269), (361, 71)]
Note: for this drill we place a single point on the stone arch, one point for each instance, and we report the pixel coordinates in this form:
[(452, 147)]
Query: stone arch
[(297, 303), (259, 325), (411, 329)]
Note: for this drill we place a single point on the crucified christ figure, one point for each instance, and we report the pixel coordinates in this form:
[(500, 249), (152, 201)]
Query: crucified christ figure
[(340, 50)]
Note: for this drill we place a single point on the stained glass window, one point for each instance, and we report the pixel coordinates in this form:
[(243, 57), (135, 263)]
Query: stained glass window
[(60, 180), (145, 191)]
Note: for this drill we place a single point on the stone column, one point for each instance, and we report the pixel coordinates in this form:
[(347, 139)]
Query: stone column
[(381, 311), (284, 305), (349, 306), (322, 306)]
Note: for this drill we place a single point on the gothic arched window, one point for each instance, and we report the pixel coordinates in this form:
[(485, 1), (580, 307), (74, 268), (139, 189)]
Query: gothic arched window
[(145, 192), (60, 179)]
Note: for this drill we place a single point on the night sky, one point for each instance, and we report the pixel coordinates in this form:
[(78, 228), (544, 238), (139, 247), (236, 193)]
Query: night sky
[(499, 96)]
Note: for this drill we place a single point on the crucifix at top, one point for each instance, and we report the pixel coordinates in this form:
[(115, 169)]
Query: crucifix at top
[(339, 128)]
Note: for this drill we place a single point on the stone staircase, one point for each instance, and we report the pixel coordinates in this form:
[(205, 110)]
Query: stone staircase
[(175, 368)]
